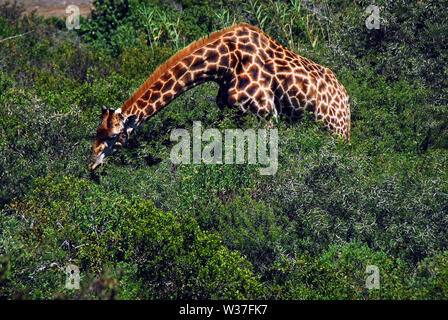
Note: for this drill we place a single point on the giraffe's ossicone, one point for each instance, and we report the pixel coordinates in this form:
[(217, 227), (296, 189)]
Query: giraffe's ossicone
[(254, 73)]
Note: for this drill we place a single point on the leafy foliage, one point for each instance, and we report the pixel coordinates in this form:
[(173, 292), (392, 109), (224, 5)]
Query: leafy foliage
[(148, 253), (144, 228)]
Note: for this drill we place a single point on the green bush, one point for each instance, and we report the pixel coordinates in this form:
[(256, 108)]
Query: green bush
[(341, 273), (408, 45), (104, 21), (147, 252)]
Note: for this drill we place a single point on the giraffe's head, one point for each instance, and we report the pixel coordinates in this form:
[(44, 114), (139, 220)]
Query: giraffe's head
[(111, 135)]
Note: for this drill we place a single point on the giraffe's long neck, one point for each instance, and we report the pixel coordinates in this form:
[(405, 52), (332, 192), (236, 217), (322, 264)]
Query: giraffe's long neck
[(254, 72), (181, 74)]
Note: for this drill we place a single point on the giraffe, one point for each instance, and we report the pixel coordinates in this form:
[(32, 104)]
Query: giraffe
[(253, 72)]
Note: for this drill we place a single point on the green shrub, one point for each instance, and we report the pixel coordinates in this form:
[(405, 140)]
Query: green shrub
[(37, 138), (147, 252), (104, 20), (432, 276), (408, 44), (341, 273)]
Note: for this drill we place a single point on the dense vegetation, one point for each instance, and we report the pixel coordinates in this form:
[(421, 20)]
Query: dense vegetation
[(147, 229)]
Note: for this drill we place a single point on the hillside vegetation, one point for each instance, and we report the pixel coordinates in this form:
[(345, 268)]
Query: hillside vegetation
[(144, 228)]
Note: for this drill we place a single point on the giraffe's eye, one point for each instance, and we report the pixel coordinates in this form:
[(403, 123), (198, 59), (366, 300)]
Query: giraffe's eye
[(113, 137)]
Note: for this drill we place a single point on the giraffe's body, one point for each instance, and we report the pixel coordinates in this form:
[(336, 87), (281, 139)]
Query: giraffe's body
[(254, 73)]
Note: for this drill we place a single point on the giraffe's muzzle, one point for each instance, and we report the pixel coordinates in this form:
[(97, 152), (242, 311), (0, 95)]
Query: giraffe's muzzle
[(104, 151)]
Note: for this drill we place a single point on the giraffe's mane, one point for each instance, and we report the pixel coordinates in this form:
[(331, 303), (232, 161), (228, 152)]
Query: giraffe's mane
[(178, 56)]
